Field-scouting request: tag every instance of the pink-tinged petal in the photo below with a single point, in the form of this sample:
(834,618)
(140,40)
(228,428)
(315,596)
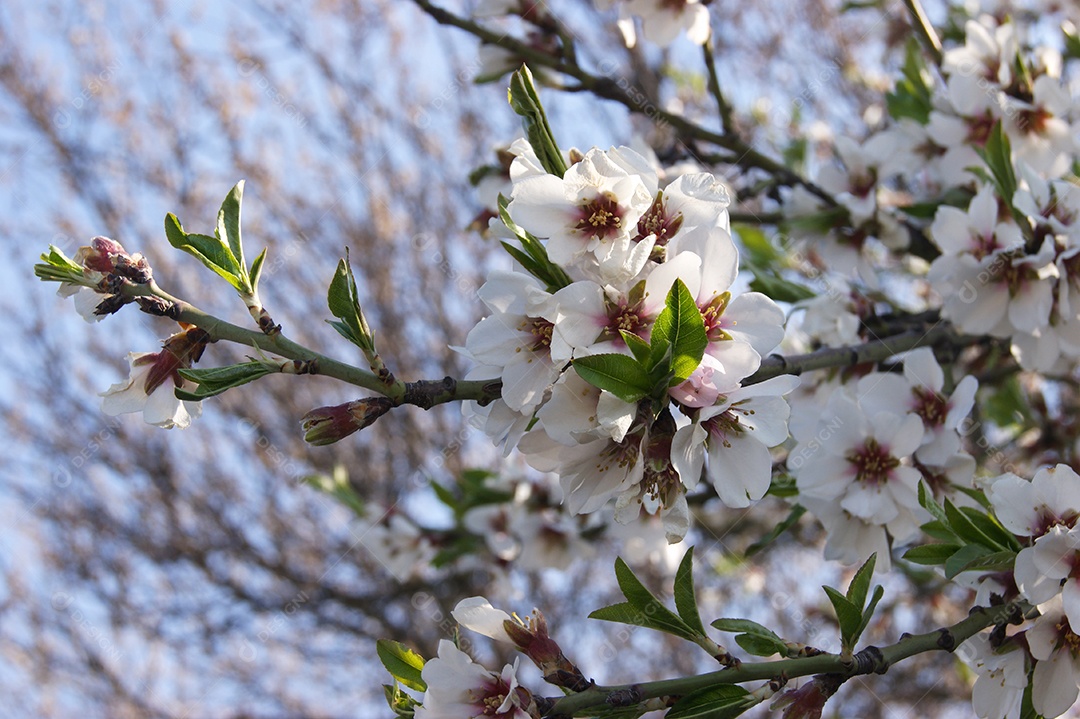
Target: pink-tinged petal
(1013,499)
(951,231)
(738,360)
(922,368)
(740,471)
(1058,490)
(884,392)
(163,409)
(752,317)
(526,379)
(768,423)
(1031,582)
(961,402)
(541,206)
(719,263)
(685,266)
(688,453)
(1055,552)
(700,389)
(477,614)
(869,503)
(1030,308)
(495,339)
(983,211)
(506,291)
(824,476)
(1054,685)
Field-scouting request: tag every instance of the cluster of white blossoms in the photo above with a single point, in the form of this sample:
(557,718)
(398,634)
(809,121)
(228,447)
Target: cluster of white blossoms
(1044,513)
(618,246)
(1008,265)
(858,465)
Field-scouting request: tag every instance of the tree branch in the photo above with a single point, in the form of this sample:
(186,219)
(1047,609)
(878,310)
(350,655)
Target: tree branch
(870,660)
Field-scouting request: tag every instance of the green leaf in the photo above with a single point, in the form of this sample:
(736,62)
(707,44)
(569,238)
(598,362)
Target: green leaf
(860,583)
(626,613)
(991,528)
(754,638)
(868,613)
(931,554)
(228,222)
(760,646)
(911,96)
(344,302)
(208,250)
(215,380)
(642,608)
(772,285)
(759,250)
(963,557)
(848,616)
(720,702)
(256,271)
(403,663)
(685,602)
(639,347)
(681,327)
(616,373)
(967,530)
(526,102)
(1007,407)
(796,512)
(532,255)
(927,502)
(337,485)
(994,562)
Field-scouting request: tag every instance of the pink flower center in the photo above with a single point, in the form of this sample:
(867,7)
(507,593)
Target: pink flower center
(656,221)
(541,331)
(872,463)
(601,217)
(930,405)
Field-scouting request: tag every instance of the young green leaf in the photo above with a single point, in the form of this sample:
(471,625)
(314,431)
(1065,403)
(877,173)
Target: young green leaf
(964,557)
(638,347)
(754,638)
(215,380)
(344,302)
(209,250)
(642,609)
(725,701)
(860,583)
(848,616)
(623,376)
(526,102)
(680,327)
(796,512)
(228,223)
(931,554)
(403,663)
(685,602)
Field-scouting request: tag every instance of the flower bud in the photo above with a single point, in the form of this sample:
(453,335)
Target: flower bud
(327,425)
(100,255)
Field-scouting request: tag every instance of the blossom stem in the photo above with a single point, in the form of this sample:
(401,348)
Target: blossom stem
(870,660)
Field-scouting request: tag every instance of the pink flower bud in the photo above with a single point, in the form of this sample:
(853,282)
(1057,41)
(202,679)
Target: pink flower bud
(326,425)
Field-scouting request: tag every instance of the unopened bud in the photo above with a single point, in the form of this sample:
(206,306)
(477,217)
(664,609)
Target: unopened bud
(327,425)
(100,255)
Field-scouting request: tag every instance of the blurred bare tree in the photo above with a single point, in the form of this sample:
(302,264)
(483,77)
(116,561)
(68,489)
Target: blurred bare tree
(192,573)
